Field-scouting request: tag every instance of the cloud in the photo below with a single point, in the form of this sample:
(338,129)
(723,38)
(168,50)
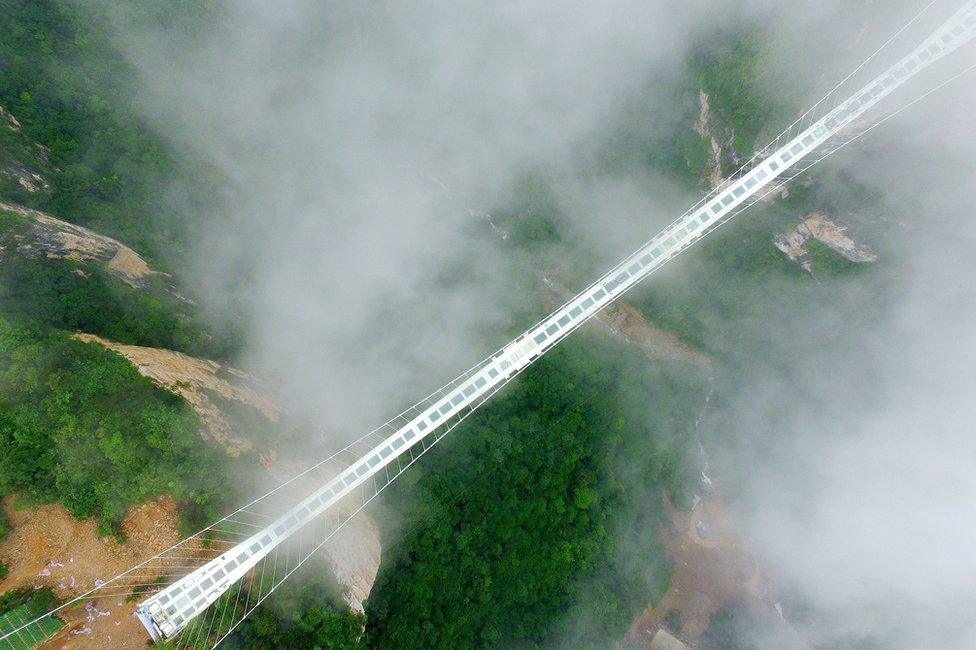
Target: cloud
(862,498)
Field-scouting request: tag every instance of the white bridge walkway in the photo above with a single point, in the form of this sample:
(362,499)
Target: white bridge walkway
(170,610)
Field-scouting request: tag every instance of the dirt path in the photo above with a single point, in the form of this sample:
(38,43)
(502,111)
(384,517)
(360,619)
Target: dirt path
(49,548)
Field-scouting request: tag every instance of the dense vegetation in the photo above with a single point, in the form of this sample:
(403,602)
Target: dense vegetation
(305,612)
(80,425)
(543,508)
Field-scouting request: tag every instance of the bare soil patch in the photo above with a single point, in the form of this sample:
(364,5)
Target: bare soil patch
(49,548)
(713,570)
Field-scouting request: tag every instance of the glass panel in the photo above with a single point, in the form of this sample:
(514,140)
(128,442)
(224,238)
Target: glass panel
(797,148)
(480,381)
(774,165)
(457,399)
(361,470)
(576,311)
(739,191)
(751,183)
(620,278)
(762,175)
(552,329)
(634,268)
(786,156)
(469,391)
(409,435)
(727,200)
(599,293)
(808,140)
(445,409)
(716,208)
(587,303)
(564,321)
(386,451)
(396,444)
(373,462)
(492,373)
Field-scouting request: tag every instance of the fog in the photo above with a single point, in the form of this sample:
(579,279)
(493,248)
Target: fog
(864,504)
(363,145)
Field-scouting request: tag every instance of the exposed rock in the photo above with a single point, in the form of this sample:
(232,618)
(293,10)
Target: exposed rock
(191,378)
(818,226)
(703,128)
(50,237)
(354,553)
(9,119)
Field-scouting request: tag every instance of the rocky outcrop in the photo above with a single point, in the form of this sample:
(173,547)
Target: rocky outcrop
(194,380)
(24,162)
(819,226)
(703,128)
(47,236)
(354,553)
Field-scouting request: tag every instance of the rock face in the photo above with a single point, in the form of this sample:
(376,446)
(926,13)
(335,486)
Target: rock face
(47,236)
(191,378)
(354,553)
(818,226)
(703,128)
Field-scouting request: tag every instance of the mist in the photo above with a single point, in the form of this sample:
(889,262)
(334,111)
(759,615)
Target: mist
(364,145)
